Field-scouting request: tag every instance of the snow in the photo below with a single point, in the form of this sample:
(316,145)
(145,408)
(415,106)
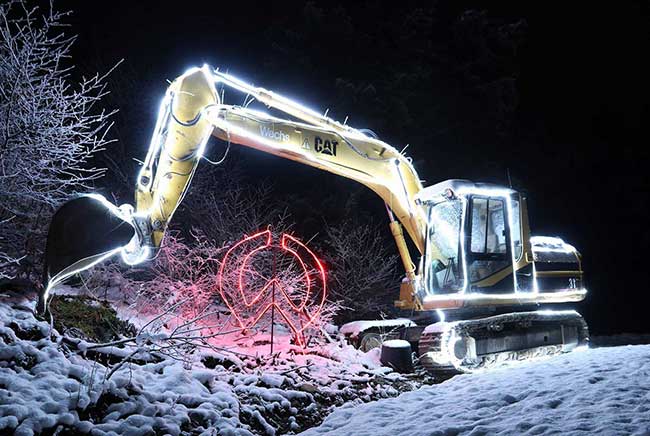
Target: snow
(49,384)
(619,339)
(438,327)
(355,327)
(550,244)
(596,391)
(396,343)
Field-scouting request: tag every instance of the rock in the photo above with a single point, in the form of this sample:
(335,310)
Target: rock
(308,387)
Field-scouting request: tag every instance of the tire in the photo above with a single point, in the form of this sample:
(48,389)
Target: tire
(370,341)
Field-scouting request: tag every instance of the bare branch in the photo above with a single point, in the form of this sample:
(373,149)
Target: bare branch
(362,270)
(51,125)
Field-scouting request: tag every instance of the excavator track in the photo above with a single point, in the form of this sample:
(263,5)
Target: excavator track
(471,345)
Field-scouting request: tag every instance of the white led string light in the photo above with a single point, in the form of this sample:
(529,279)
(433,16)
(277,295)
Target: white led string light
(521,296)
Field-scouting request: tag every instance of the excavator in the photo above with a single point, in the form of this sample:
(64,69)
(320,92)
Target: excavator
(483,291)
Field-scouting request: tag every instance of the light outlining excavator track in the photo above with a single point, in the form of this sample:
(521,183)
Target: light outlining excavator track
(472,345)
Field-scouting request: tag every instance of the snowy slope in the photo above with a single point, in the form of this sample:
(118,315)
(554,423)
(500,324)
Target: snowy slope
(597,391)
(50,386)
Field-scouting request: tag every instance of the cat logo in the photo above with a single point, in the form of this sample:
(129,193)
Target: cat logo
(325,147)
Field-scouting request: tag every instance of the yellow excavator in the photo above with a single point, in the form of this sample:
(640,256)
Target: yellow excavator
(483,290)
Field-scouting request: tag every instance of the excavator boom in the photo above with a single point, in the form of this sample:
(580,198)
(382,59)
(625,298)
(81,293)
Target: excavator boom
(192,111)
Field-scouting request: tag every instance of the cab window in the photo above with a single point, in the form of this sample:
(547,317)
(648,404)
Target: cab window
(444,274)
(488,226)
(488,245)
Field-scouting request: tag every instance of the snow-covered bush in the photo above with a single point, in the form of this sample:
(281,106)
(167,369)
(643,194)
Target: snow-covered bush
(362,269)
(181,273)
(52,125)
(224,205)
(179,303)
(6,261)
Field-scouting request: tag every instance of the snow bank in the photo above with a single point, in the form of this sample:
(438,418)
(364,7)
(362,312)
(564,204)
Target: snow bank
(355,327)
(50,384)
(619,339)
(597,391)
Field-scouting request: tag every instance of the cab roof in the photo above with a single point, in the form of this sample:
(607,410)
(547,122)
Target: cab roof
(459,187)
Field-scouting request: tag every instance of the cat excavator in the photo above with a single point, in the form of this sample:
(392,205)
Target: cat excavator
(482,291)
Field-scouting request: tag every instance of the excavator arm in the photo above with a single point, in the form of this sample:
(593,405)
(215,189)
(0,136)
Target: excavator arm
(192,111)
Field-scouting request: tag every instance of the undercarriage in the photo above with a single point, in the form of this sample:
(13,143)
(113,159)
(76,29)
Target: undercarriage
(471,344)
(467,346)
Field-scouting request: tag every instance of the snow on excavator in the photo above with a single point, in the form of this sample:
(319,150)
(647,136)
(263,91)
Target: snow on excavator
(483,290)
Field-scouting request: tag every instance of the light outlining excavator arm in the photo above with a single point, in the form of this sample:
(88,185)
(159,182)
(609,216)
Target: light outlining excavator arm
(192,111)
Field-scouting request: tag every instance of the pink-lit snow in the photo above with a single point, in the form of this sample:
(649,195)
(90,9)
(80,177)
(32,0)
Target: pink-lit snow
(48,385)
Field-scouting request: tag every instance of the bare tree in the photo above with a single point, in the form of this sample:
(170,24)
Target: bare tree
(6,261)
(362,269)
(224,206)
(51,125)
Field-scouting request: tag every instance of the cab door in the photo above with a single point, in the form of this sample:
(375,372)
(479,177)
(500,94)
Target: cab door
(488,244)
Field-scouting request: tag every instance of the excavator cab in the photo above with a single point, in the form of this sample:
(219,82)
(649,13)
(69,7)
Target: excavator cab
(479,252)
(477,234)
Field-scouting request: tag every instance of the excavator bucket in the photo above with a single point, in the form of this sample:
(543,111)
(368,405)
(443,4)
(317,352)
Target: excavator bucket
(83,232)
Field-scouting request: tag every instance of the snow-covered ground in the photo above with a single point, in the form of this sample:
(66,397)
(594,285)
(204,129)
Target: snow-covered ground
(52,384)
(619,339)
(597,391)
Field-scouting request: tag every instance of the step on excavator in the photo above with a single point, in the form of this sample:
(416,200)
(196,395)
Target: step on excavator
(483,291)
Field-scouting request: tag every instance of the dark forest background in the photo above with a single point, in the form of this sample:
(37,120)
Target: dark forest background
(552,95)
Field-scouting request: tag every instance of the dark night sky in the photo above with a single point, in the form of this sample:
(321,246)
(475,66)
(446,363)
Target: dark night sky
(577,144)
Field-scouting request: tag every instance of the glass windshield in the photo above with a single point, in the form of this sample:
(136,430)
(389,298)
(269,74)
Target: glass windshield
(444,273)
(488,226)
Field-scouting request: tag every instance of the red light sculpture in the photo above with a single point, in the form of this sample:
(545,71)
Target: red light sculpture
(296,290)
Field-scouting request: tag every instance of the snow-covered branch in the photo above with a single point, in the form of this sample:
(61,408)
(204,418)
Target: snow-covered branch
(362,269)
(6,261)
(51,124)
